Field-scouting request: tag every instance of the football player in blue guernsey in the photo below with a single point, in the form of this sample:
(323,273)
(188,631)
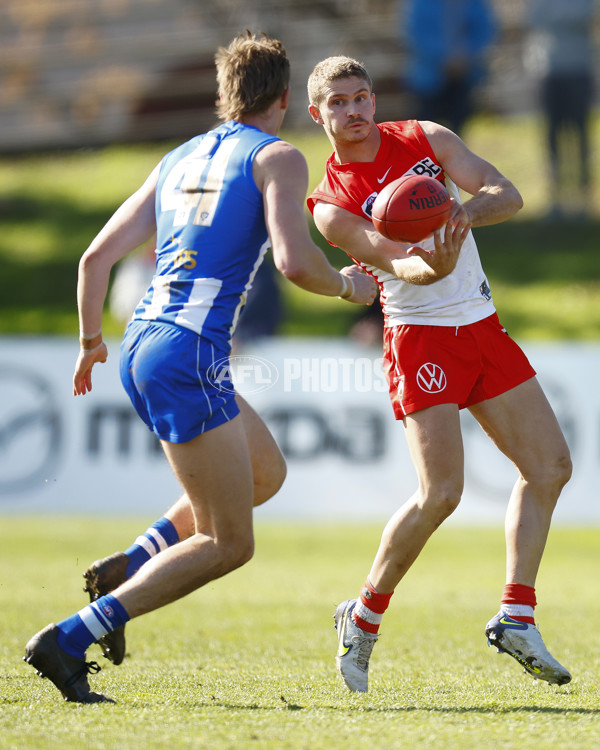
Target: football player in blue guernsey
(216,203)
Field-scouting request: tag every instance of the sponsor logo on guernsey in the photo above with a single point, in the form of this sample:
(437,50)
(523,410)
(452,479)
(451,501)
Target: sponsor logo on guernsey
(431,378)
(485,291)
(424,167)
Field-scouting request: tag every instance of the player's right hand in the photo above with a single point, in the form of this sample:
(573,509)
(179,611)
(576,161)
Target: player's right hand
(82,378)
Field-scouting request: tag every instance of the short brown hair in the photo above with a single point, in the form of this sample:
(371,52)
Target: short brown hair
(252,73)
(331,69)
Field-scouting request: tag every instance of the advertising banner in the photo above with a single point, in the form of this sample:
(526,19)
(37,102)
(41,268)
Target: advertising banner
(326,402)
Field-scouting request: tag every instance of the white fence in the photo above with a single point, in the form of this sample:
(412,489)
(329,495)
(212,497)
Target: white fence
(326,403)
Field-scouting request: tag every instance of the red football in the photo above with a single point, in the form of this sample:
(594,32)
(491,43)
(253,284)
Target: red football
(411,208)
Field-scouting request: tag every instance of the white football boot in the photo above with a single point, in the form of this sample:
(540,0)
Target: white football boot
(354,649)
(523,642)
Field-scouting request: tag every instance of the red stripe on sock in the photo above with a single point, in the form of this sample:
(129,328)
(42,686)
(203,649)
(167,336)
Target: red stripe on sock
(373,600)
(370,627)
(517,593)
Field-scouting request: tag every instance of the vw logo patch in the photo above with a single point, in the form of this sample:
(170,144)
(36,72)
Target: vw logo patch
(431,378)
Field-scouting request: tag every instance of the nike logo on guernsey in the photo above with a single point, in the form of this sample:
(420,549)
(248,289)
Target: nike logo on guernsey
(343,649)
(514,624)
(384,176)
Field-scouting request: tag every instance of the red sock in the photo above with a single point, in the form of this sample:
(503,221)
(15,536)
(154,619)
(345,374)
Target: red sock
(369,609)
(518,601)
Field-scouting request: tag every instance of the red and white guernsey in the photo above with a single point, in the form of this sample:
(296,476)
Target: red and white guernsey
(461,298)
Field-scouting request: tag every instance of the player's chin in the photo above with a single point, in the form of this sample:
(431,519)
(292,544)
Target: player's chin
(357,131)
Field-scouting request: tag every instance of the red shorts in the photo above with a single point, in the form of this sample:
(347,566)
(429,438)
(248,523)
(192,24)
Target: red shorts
(464,365)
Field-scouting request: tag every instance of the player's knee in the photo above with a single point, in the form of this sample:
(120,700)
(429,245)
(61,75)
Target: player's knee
(442,501)
(446,506)
(237,551)
(558,471)
(553,473)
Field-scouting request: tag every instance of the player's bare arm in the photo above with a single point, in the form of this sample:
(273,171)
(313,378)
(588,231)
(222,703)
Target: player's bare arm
(281,173)
(495,198)
(131,225)
(359,238)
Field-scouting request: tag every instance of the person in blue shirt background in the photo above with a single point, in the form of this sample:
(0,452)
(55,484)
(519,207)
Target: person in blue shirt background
(446,43)
(561,52)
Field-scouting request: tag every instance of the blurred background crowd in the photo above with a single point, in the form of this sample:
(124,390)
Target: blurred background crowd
(89,72)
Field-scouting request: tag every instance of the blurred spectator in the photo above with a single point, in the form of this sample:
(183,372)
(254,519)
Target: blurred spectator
(561,52)
(446,43)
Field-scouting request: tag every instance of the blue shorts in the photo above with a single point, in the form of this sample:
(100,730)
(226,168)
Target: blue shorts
(178,382)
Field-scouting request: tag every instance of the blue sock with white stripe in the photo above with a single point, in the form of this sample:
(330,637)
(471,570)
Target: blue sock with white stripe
(78,632)
(158,537)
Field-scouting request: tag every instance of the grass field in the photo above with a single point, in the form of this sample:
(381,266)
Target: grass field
(545,277)
(247,662)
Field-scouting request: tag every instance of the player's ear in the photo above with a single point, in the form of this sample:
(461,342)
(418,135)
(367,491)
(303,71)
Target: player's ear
(285,99)
(315,114)
(373,102)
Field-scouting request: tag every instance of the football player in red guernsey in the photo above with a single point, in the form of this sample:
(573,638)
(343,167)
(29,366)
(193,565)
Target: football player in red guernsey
(444,350)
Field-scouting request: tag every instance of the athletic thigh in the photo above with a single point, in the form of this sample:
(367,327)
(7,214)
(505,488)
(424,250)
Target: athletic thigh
(435,444)
(523,425)
(215,471)
(268,470)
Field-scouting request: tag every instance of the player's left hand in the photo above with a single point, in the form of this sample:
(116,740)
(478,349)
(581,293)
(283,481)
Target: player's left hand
(82,378)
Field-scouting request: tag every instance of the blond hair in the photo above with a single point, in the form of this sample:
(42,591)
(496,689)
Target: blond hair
(332,69)
(252,73)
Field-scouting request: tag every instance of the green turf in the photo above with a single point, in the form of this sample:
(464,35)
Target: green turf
(545,278)
(247,662)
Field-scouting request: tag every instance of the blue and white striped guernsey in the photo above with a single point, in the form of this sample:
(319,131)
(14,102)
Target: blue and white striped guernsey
(211,232)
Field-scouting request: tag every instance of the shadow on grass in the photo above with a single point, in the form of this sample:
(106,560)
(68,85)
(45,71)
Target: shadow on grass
(458,710)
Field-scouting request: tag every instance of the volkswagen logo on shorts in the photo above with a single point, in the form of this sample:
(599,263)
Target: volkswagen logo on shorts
(30,429)
(243,374)
(431,378)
